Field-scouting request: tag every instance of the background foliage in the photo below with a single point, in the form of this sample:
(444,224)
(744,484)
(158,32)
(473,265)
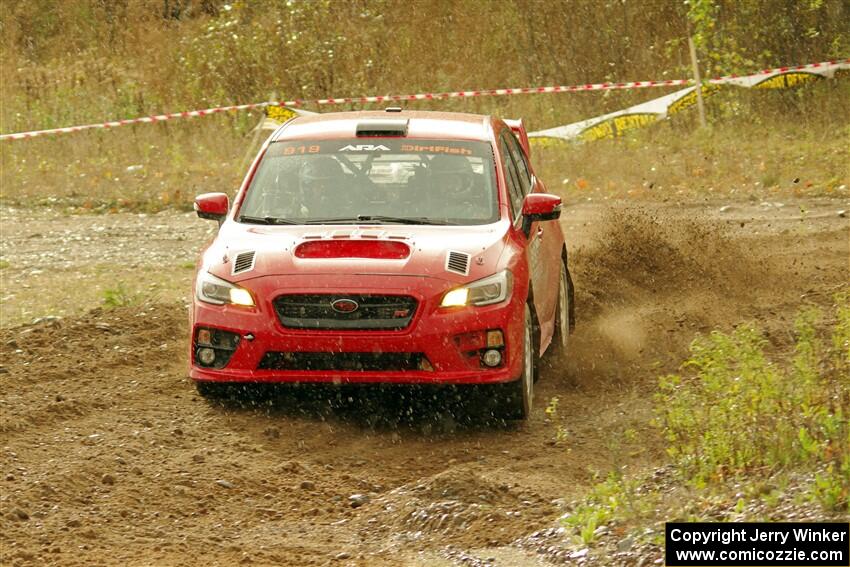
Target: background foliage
(69,62)
(81,61)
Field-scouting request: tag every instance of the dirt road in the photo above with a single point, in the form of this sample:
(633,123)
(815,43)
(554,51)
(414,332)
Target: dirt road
(108,456)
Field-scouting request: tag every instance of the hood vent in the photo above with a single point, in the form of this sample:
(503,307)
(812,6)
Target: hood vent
(382,127)
(353,248)
(244,262)
(457,262)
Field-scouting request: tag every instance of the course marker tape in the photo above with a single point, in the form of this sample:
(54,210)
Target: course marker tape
(296,103)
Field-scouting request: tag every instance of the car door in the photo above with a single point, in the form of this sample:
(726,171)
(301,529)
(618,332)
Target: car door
(516,195)
(546,242)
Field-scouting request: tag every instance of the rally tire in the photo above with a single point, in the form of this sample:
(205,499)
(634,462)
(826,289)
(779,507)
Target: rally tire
(516,398)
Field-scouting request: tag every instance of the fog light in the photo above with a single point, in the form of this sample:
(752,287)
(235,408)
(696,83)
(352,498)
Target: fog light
(495,339)
(206,356)
(425,364)
(204,337)
(492,358)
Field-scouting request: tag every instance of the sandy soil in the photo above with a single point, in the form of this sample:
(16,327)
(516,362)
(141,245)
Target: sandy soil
(108,456)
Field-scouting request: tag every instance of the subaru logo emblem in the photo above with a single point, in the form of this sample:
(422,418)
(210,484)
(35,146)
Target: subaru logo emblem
(344,306)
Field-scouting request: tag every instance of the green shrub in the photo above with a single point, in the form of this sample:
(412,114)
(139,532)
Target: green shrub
(119,296)
(737,412)
(604,501)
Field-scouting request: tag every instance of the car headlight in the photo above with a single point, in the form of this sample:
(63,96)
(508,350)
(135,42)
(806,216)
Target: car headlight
(493,289)
(215,290)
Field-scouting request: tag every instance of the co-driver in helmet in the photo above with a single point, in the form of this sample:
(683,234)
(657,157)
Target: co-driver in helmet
(452,186)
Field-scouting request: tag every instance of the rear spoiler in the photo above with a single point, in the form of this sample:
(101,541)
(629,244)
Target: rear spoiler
(518,128)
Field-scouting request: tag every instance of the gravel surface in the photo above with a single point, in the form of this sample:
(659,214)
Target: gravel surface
(108,456)
(44,239)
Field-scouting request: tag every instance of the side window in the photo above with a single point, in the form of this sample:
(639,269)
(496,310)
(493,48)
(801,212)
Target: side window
(521,164)
(511,178)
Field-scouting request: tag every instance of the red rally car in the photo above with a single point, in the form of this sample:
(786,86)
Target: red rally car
(404,247)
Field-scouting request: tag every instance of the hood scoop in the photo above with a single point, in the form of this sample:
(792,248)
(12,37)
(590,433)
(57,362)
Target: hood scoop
(457,262)
(344,248)
(244,262)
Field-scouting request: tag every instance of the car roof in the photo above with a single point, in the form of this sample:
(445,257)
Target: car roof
(421,124)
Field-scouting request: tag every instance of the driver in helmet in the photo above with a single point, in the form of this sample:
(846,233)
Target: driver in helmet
(322,187)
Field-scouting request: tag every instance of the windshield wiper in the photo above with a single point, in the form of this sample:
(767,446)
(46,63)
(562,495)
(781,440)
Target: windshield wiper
(379,219)
(264,220)
(405,220)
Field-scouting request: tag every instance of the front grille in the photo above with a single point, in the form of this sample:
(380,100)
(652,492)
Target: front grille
(315,311)
(352,361)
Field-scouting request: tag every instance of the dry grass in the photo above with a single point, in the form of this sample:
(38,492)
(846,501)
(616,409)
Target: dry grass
(146,167)
(790,145)
(77,62)
(767,148)
(102,285)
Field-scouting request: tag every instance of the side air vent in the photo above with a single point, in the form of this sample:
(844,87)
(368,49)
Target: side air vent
(244,262)
(457,262)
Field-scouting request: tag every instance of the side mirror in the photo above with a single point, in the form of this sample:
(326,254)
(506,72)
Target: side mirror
(539,207)
(212,206)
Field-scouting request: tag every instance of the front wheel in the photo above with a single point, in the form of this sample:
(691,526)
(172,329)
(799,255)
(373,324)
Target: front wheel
(515,398)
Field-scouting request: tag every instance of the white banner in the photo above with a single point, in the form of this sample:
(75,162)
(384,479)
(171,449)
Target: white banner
(617,123)
(786,77)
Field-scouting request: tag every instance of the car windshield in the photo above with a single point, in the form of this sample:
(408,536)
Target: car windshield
(374,180)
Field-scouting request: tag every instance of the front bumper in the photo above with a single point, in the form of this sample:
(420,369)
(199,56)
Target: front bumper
(440,335)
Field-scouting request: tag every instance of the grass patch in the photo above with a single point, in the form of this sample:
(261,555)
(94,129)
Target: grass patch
(763,151)
(741,413)
(615,497)
(743,426)
(103,172)
(93,285)
(120,296)
(561,434)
